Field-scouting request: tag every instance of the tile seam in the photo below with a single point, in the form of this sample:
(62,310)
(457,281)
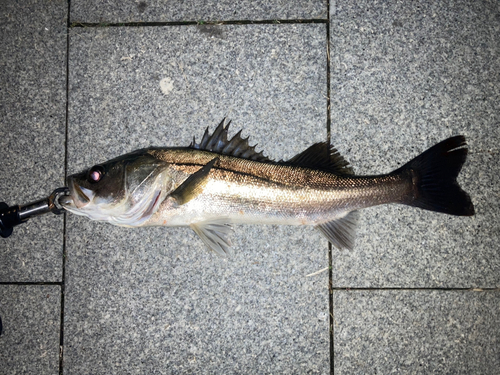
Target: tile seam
(64,250)
(330,248)
(194,23)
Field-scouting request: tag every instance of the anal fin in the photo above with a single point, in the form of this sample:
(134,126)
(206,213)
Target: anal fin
(216,236)
(341,232)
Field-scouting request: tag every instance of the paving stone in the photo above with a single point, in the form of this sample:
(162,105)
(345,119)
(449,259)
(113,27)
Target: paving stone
(32,128)
(95,11)
(416,331)
(404,77)
(154,298)
(29,342)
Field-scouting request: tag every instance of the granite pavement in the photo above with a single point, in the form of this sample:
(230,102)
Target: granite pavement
(85,81)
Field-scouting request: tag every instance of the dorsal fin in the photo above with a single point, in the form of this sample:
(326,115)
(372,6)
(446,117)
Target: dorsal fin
(323,157)
(237,146)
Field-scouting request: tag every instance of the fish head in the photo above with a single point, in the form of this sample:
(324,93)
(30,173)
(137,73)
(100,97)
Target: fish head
(124,191)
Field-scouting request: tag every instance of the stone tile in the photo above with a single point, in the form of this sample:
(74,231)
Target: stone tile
(405,76)
(95,11)
(32,124)
(154,298)
(29,343)
(152,87)
(416,331)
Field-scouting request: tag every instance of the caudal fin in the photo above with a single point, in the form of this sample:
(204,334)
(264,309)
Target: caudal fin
(434,174)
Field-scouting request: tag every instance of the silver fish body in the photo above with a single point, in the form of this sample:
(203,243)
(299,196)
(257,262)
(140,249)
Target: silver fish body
(215,183)
(247,191)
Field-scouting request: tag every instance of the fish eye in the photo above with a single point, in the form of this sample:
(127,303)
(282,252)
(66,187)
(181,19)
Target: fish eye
(95,174)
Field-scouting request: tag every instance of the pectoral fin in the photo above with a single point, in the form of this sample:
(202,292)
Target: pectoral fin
(340,232)
(215,236)
(193,185)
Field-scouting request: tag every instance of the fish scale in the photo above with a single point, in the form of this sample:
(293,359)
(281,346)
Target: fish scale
(220,181)
(269,192)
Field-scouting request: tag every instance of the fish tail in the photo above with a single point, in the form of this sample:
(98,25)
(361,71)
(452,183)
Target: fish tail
(434,176)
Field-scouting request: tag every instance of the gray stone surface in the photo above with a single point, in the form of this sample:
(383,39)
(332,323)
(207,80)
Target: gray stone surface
(114,11)
(154,299)
(139,87)
(405,76)
(416,332)
(32,127)
(29,343)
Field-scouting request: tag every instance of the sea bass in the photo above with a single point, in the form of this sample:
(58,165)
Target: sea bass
(219,181)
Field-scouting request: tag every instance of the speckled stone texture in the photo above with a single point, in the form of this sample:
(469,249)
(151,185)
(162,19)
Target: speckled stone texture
(115,11)
(29,343)
(160,86)
(32,127)
(154,298)
(403,77)
(416,332)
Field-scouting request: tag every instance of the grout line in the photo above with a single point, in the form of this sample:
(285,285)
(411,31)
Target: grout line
(67,100)
(473,289)
(331,288)
(330,308)
(330,247)
(61,327)
(63,276)
(30,283)
(193,23)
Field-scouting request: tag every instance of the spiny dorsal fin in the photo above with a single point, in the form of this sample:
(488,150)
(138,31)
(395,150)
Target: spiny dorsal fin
(219,143)
(323,157)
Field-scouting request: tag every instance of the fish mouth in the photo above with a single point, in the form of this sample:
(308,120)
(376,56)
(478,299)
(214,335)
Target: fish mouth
(66,200)
(79,196)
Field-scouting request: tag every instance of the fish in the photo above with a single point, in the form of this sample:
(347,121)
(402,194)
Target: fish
(217,182)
